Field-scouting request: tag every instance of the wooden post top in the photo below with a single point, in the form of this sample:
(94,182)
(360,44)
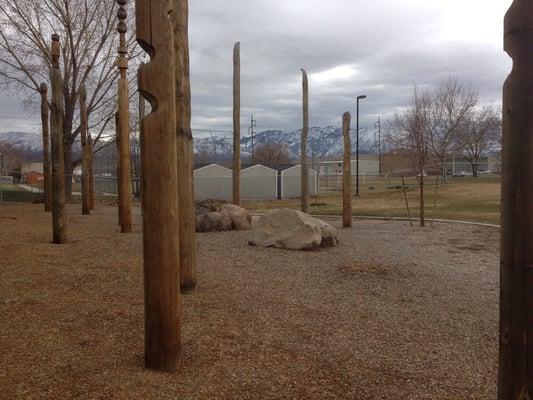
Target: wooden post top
(43,89)
(122,28)
(518,25)
(55,51)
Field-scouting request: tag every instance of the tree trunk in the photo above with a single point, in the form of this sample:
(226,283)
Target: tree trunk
(422,206)
(91,171)
(47,173)
(516,255)
(347,173)
(237,124)
(85,185)
(475,170)
(160,196)
(59,219)
(303,155)
(185,149)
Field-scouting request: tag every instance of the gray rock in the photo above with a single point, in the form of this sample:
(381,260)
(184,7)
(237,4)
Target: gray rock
(241,219)
(213,221)
(292,229)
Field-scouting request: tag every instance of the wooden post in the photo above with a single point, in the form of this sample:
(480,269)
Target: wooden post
(124,183)
(347,172)
(91,171)
(160,188)
(85,184)
(185,149)
(303,155)
(516,255)
(237,124)
(45,120)
(142,114)
(435,200)
(59,218)
(422,206)
(119,175)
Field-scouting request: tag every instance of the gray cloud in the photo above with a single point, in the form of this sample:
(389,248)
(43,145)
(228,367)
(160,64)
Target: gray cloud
(389,45)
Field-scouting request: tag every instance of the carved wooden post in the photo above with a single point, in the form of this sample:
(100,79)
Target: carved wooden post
(160,188)
(142,114)
(45,120)
(516,267)
(303,156)
(59,219)
(237,124)
(124,183)
(119,174)
(347,172)
(91,171)
(185,149)
(85,184)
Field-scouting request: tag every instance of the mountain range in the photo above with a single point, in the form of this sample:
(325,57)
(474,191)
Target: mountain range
(322,142)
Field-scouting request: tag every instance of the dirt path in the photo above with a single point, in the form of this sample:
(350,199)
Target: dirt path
(392,313)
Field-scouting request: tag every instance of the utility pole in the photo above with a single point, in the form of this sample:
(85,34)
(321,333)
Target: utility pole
(378,127)
(357,145)
(253,124)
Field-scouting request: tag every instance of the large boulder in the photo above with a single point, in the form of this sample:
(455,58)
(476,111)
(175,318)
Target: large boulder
(212,221)
(291,229)
(241,219)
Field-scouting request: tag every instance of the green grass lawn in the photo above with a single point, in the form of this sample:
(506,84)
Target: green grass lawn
(477,201)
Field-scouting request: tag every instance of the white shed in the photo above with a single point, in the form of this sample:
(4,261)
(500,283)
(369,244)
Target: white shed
(213,182)
(259,183)
(291,182)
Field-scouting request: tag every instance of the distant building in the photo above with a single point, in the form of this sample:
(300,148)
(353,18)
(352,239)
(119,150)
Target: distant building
(26,168)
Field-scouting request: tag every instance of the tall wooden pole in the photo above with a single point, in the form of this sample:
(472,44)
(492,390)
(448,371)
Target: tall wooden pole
(516,266)
(124,183)
(347,172)
(45,121)
(119,164)
(237,124)
(185,149)
(85,183)
(59,218)
(142,114)
(160,188)
(91,170)
(305,133)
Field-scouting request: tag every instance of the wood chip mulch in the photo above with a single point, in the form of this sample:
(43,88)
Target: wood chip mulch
(392,313)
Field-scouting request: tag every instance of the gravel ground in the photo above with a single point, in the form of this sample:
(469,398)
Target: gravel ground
(392,313)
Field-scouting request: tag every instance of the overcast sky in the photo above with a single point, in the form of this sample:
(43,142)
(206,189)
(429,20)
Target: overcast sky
(380,48)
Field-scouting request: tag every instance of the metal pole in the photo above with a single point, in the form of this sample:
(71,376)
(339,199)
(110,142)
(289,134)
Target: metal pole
(357,146)
(357,151)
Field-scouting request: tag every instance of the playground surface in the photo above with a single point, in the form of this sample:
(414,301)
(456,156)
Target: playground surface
(393,312)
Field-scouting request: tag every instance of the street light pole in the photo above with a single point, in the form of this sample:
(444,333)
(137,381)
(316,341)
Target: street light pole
(357,146)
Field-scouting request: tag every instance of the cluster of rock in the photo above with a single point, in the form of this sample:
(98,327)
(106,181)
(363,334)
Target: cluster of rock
(285,228)
(291,229)
(216,216)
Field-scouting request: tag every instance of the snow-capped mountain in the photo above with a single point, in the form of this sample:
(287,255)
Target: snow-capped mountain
(23,140)
(322,142)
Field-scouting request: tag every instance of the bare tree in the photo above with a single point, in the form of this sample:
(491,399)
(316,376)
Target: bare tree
(409,132)
(271,153)
(87,29)
(479,132)
(451,106)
